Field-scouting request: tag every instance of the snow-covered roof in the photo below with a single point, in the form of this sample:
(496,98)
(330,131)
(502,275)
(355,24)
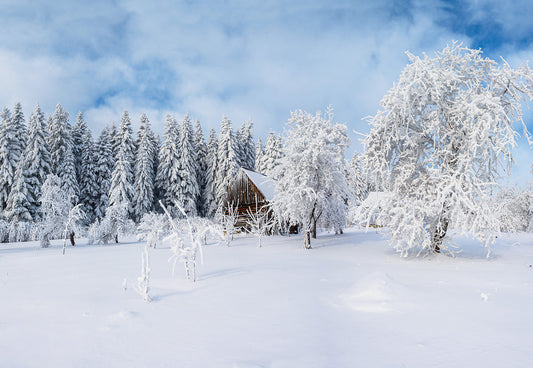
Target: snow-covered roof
(266,185)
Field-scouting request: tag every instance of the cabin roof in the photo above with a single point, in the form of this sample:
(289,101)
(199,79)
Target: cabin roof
(266,185)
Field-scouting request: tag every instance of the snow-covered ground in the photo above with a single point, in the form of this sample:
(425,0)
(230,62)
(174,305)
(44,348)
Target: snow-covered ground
(349,302)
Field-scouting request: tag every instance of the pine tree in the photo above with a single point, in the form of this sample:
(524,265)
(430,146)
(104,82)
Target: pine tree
(89,185)
(272,155)
(79,131)
(167,172)
(121,191)
(211,173)
(188,190)
(7,162)
(144,169)
(104,169)
(18,206)
(114,139)
(228,164)
(247,145)
(20,131)
(258,155)
(36,160)
(239,149)
(201,175)
(61,155)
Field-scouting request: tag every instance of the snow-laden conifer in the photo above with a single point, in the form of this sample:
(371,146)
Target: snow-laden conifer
(271,155)
(8,159)
(79,131)
(168,178)
(18,205)
(444,134)
(89,185)
(258,155)
(18,126)
(227,161)
(144,169)
(188,190)
(200,148)
(211,175)
(36,160)
(247,145)
(312,183)
(103,171)
(121,190)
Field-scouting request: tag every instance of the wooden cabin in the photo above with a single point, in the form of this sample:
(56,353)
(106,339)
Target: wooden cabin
(250,191)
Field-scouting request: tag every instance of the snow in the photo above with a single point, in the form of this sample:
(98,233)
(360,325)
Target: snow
(266,185)
(349,302)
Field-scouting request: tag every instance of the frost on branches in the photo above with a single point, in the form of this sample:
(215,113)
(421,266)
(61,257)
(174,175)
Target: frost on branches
(312,182)
(444,134)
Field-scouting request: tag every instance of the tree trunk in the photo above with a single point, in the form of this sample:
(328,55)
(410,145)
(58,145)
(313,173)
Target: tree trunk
(438,235)
(307,240)
(313,229)
(72,238)
(116,238)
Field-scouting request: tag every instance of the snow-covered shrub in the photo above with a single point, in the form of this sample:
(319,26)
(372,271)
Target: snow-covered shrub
(443,138)
(4,231)
(143,281)
(514,208)
(153,228)
(260,222)
(114,224)
(227,218)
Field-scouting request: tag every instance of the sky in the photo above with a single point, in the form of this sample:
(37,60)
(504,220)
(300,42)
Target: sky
(243,59)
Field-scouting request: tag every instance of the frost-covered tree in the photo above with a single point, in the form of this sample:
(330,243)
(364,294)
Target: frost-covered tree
(200,148)
(188,190)
(121,190)
(356,180)
(211,175)
(312,183)
(115,139)
(8,157)
(227,161)
(258,155)
(104,168)
(18,126)
(144,169)
(272,155)
(18,206)
(61,154)
(168,178)
(56,205)
(89,185)
(79,131)
(443,136)
(247,145)
(36,160)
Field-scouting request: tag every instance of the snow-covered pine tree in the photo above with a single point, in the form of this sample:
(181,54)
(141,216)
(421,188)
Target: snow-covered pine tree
(104,169)
(439,144)
(36,160)
(188,190)
(89,185)
(121,190)
(227,161)
(7,160)
(61,155)
(114,139)
(211,174)
(144,169)
(247,145)
(18,204)
(312,182)
(157,150)
(356,181)
(20,131)
(272,154)
(200,148)
(78,133)
(239,149)
(258,155)
(167,178)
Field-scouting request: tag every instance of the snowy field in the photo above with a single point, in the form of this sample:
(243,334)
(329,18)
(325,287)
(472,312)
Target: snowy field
(349,302)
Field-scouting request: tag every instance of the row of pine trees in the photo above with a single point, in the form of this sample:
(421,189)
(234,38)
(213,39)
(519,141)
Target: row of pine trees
(119,168)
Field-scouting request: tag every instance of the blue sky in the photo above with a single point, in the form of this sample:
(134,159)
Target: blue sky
(258,59)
